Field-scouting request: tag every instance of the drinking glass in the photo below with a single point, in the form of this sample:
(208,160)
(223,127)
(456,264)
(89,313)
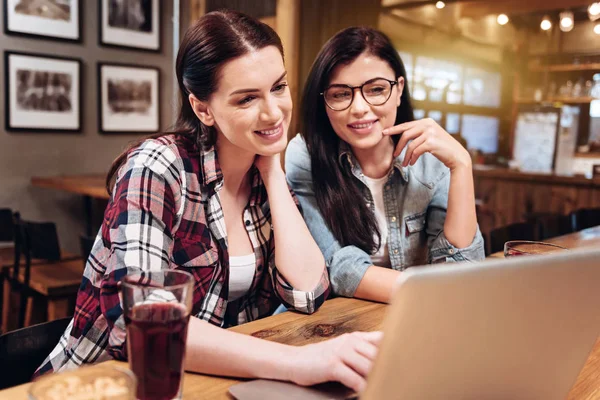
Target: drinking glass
(157,307)
(526,247)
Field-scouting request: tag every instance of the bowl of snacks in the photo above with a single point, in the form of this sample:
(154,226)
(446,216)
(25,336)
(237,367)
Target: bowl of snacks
(99,382)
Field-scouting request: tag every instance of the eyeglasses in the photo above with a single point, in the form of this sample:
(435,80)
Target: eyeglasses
(376,92)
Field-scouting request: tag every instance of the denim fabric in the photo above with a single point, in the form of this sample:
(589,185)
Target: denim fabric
(416,200)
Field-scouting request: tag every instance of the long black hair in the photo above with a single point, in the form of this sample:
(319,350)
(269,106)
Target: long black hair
(336,191)
(212,41)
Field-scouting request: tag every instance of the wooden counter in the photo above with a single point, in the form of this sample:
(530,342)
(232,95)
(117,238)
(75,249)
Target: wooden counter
(505,196)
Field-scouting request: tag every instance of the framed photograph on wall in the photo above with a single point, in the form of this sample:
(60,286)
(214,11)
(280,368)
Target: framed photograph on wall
(130,24)
(128,98)
(55,19)
(43,93)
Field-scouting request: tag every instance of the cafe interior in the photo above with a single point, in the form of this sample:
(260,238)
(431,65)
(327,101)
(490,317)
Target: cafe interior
(516,82)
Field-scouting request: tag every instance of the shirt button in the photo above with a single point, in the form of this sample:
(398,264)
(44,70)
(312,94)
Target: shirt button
(393,219)
(395,251)
(248,222)
(451,251)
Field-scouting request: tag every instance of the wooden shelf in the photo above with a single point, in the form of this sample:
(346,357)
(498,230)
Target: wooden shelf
(567,100)
(565,67)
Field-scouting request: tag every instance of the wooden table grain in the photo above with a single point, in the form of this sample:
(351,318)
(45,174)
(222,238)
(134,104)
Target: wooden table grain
(336,316)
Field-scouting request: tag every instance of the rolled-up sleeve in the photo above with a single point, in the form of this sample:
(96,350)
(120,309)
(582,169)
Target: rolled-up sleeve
(440,249)
(293,299)
(346,264)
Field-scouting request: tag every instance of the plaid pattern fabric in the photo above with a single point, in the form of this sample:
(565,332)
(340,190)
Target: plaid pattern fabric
(165,213)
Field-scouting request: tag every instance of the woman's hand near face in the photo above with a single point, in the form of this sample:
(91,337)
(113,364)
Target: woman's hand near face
(268,165)
(428,137)
(346,359)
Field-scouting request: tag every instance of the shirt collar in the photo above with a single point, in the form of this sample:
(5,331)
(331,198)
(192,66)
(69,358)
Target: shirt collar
(212,173)
(345,153)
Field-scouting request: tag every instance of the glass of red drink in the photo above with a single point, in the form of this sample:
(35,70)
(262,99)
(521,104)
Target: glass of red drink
(526,247)
(157,307)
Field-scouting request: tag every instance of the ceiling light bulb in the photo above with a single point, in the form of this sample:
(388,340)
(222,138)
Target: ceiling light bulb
(546,24)
(440,4)
(597,29)
(566,21)
(594,11)
(502,19)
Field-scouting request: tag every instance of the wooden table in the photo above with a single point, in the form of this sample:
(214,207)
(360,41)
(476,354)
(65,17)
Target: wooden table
(335,317)
(585,238)
(90,186)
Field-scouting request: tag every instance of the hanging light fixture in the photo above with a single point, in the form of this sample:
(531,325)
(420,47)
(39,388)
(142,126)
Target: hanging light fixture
(594,11)
(597,29)
(567,21)
(502,19)
(546,24)
(440,4)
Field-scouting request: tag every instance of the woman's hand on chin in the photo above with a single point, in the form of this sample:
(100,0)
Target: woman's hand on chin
(426,136)
(268,165)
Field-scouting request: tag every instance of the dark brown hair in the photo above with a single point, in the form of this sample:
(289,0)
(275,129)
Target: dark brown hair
(336,191)
(215,39)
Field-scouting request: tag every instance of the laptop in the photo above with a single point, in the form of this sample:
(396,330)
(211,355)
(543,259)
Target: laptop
(514,328)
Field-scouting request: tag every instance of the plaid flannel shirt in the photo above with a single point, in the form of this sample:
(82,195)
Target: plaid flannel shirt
(165,213)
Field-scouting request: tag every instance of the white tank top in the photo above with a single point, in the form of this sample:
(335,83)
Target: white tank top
(241,274)
(382,256)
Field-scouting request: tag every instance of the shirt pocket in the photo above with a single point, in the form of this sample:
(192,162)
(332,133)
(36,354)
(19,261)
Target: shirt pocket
(416,252)
(194,253)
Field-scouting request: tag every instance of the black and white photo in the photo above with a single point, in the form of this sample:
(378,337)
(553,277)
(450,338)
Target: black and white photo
(128,98)
(43,93)
(130,23)
(57,19)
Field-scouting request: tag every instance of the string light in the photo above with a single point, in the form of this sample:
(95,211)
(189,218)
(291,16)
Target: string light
(440,4)
(597,29)
(594,11)
(566,21)
(502,19)
(546,24)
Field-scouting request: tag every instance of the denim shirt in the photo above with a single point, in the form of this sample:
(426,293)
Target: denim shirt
(415,198)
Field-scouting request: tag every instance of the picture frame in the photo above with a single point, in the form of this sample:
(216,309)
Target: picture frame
(128,100)
(42,93)
(130,24)
(56,20)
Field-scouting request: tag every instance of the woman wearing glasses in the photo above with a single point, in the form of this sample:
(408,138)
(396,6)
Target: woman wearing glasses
(380,191)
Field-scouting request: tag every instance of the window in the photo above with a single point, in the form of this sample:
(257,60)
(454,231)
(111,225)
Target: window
(482,88)
(463,99)
(480,132)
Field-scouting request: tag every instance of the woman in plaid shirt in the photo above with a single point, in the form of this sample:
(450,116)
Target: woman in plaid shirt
(177,205)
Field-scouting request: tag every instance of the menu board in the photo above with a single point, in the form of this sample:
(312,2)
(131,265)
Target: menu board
(535,140)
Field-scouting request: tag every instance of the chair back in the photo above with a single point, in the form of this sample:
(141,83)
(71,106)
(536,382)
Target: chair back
(23,350)
(86,243)
(7,225)
(585,218)
(550,226)
(34,240)
(517,231)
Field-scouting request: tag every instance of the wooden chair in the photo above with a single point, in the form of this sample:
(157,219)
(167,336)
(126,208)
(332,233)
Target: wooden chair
(86,243)
(585,218)
(23,350)
(518,231)
(550,226)
(56,280)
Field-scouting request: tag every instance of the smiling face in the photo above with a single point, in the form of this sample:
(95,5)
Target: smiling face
(252,105)
(361,124)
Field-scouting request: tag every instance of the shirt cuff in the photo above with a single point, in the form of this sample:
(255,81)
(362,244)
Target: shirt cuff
(304,302)
(347,267)
(444,251)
